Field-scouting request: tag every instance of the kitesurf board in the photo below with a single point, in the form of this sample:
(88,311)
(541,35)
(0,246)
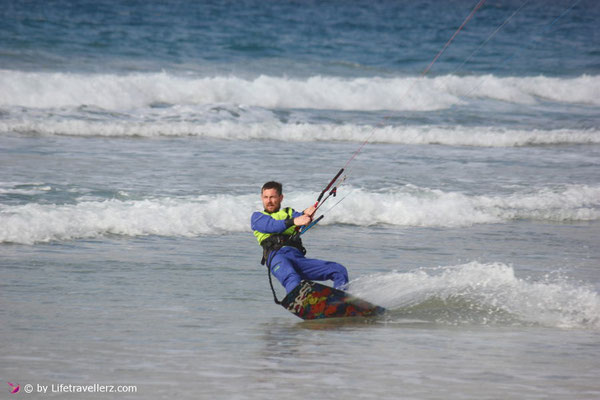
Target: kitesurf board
(312,300)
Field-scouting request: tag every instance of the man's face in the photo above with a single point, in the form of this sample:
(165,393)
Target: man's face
(271,200)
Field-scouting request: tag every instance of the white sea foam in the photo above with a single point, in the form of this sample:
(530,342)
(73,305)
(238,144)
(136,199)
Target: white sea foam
(481,293)
(523,90)
(235,108)
(413,206)
(274,130)
(123,92)
(25,189)
(32,223)
(187,217)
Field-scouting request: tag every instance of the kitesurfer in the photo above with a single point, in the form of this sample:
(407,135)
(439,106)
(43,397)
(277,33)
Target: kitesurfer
(275,230)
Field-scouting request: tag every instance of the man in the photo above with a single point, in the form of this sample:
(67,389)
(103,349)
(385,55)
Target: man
(282,250)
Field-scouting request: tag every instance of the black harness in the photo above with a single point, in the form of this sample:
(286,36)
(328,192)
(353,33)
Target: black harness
(276,242)
(271,246)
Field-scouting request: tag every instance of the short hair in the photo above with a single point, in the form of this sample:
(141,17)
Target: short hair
(273,185)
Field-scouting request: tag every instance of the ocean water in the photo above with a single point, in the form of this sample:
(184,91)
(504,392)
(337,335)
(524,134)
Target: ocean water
(135,137)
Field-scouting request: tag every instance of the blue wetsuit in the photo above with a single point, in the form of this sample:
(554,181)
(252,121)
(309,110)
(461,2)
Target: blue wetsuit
(289,265)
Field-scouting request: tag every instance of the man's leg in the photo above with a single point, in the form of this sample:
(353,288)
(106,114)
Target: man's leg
(320,270)
(283,269)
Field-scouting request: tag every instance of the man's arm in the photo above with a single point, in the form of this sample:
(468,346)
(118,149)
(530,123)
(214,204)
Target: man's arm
(266,224)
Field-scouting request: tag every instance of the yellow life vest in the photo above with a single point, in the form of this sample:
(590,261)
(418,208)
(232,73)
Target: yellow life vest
(279,215)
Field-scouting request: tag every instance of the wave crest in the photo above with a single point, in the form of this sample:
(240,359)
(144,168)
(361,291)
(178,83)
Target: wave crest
(124,92)
(476,293)
(407,206)
(305,132)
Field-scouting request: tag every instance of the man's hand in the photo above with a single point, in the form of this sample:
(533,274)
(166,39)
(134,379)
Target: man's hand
(302,220)
(310,211)
(306,218)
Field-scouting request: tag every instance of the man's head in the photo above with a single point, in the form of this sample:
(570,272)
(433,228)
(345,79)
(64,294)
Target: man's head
(272,196)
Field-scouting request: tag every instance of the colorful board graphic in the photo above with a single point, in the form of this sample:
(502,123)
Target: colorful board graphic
(312,300)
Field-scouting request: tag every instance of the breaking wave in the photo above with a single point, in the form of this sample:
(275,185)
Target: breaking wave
(306,132)
(129,91)
(477,293)
(192,216)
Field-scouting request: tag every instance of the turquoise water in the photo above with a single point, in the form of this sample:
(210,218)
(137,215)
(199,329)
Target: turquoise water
(134,139)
